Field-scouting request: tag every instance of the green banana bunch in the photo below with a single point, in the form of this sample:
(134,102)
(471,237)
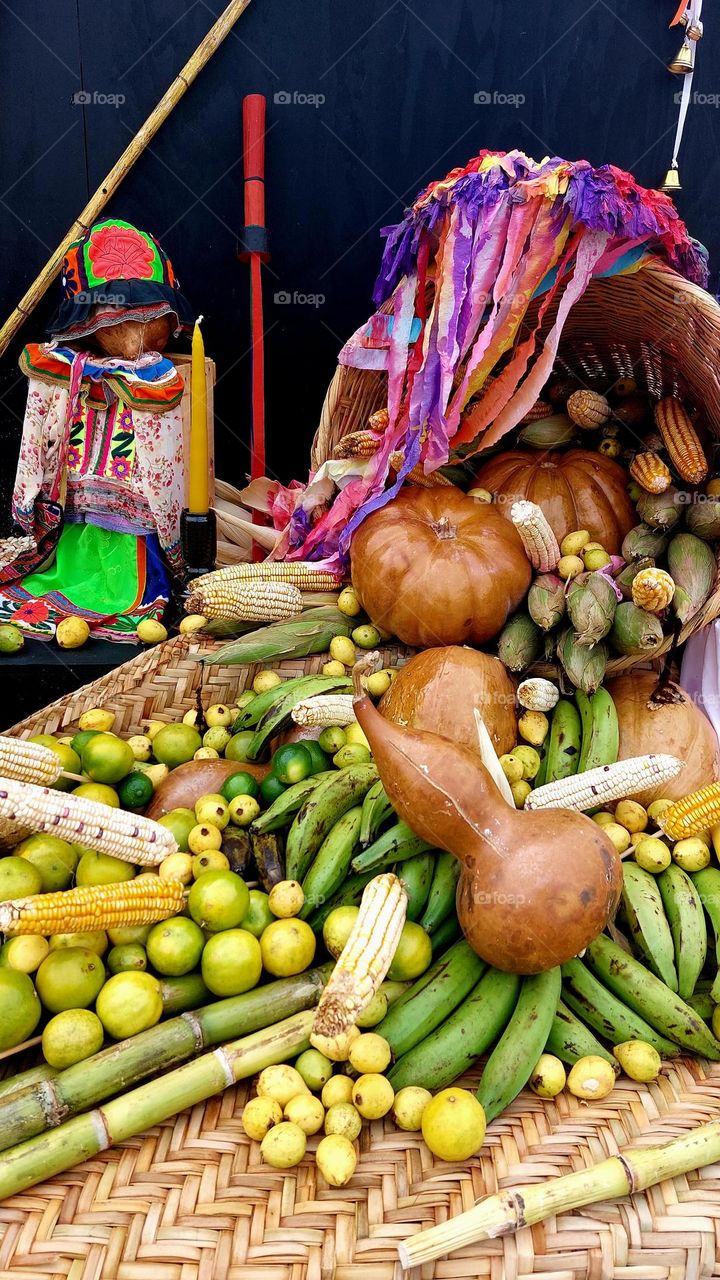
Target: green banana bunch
(564,742)
(445,934)
(394,845)
(683,907)
(376,809)
(282,811)
(416,874)
(707,883)
(300,687)
(279,712)
(314,822)
(349,895)
(600,729)
(571,1040)
(331,864)
(441,899)
(648,923)
(607,1014)
(435,994)
(514,1057)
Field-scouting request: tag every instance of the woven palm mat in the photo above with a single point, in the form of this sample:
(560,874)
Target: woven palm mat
(192,1200)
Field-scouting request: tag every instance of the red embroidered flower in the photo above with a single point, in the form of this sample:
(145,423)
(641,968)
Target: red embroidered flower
(120,467)
(121,253)
(73,458)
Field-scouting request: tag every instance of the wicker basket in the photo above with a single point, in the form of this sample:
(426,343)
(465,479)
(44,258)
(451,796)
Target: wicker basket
(192,1200)
(652,325)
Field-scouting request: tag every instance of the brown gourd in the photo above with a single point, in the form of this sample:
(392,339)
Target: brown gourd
(535,888)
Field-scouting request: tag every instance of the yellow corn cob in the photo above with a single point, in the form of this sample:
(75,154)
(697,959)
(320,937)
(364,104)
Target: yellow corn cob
(538,539)
(537,694)
(28,761)
(95,826)
(378,421)
(358,444)
(652,589)
(365,958)
(247,601)
(301,573)
(324,709)
(609,782)
(650,472)
(103,906)
(681,440)
(694,813)
(417,476)
(588,409)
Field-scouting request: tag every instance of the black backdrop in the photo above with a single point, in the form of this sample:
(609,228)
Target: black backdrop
(366,103)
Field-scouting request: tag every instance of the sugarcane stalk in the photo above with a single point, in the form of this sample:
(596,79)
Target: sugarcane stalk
(33,1075)
(132,1113)
(523,1206)
(47,1103)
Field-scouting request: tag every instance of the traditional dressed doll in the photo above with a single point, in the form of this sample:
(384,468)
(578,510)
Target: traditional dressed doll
(100,479)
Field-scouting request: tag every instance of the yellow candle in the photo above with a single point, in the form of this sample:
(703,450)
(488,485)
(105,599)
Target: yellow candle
(198,462)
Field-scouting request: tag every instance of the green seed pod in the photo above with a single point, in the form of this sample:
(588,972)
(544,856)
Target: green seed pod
(519,643)
(584,667)
(591,604)
(634,630)
(546,601)
(662,510)
(643,541)
(703,518)
(691,564)
(548,433)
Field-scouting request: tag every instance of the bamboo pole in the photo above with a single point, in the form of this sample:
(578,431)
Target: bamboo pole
(122,167)
(46,1103)
(620,1175)
(134,1112)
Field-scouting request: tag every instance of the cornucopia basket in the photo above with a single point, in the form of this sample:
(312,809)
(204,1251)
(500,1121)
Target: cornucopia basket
(651,324)
(191,1199)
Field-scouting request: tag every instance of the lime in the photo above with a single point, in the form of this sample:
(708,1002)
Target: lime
(176,744)
(320,761)
(270,788)
(332,739)
(100,792)
(129,1003)
(218,900)
(52,858)
(240,784)
(231,962)
(129,933)
(351,753)
(413,955)
(258,915)
(337,927)
(236,748)
(19,878)
(106,758)
(314,1068)
(95,940)
(102,868)
(131,956)
(292,763)
(81,738)
(11,638)
(288,947)
(68,757)
(181,823)
(71,1036)
(174,947)
(69,978)
(20,1008)
(135,791)
(24,953)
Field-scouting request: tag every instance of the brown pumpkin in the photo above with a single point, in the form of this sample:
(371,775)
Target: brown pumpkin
(440,690)
(434,567)
(576,490)
(649,724)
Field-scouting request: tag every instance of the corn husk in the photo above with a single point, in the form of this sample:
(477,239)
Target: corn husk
(703,518)
(520,643)
(295,638)
(548,433)
(591,604)
(643,541)
(634,630)
(546,601)
(662,510)
(691,563)
(625,578)
(584,667)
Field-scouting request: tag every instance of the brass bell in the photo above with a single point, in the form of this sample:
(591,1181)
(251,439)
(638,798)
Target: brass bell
(672,180)
(682,64)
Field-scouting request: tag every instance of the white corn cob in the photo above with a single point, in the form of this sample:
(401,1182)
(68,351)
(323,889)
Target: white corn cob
(537,694)
(301,573)
(538,539)
(95,826)
(599,786)
(324,709)
(28,761)
(365,958)
(247,601)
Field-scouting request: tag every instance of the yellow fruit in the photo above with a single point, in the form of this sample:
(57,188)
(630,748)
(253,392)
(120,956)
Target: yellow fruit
(305,1111)
(243,810)
(71,1036)
(570,567)
(210,860)
(631,815)
(206,753)
(283,1146)
(286,899)
(336,1048)
(190,717)
(288,947)
(128,1003)
(175,744)
(97,718)
(638,1059)
(337,928)
(25,953)
(314,1068)
(366,637)
(351,753)
(259,1115)
(174,946)
(512,767)
(378,683)
(72,633)
(212,811)
(337,1089)
(12,639)
(597,558)
(151,632)
(619,836)
(100,792)
(533,726)
(348,602)
(652,854)
(343,1118)
(370,1053)
(548,1077)
(343,650)
(281,1082)
(141,746)
(520,792)
(480,495)
(69,979)
(530,760)
(413,954)
(106,759)
(658,807)
(336,1159)
(333,668)
(355,736)
(453,1124)
(374,1012)
(217,738)
(691,854)
(265,680)
(409,1106)
(154,726)
(95,940)
(218,714)
(573,543)
(218,900)
(603,818)
(713,488)
(204,837)
(192,622)
(591,1077)
(102,868)
(373,1095)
